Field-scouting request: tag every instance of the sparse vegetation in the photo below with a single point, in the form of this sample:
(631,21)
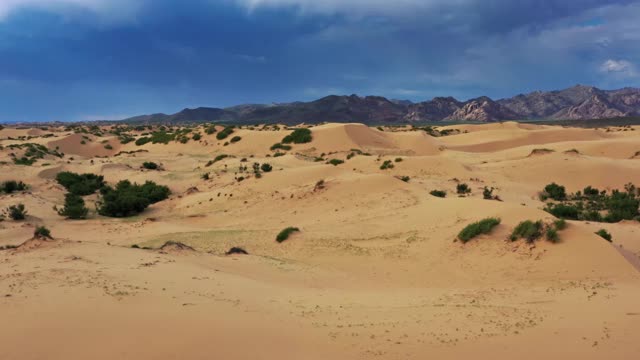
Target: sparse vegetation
(438,193)
(284,234)
(74,207)
(80,184)
(224,133)
(463,188)
(335,162)
(42,232)
(150,165)
(235,139)
(604,234)
(128,199)
(266,167)
(387,164)
(298,136)
(237,250)
(554,191)
(11,186)
(17,212)
(279,146)
(478,228)
(528,230)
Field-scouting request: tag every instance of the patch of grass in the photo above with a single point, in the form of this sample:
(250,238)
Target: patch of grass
(604,234)
(284,234)
(478,228)
(438,193)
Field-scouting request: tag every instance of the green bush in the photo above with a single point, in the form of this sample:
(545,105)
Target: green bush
(266,167)
(143,140)
(621,206)
(128,199)
(487,193)
(387,164)
(604,234)
(216,159)
(298,136)
(224,133)
(42,232)
(552,235)
(211,129)
(560,224)
(335,162)
(463,188)
(477,228)
(80,184)
(196,137)
(150,165)
(284,234)
(17,212)
(405,178)
(398,160)
(555,192)
(74,207)
(108,147)
(11,186)
(438,193)
(563,211)
(279,146)
(528,230)
(235,139)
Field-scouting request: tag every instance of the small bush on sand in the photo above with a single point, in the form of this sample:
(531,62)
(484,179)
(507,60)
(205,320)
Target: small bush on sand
(560,224)
(563,211)
(463,188)
(335,162)
(11,186)
(404,178)
(128,199)
(298,136)
(552,235)
(555,192)
(438,193)
(279,146)
(224,133)
(80,184)
(211,129)
(17,212)
(237,250)
(387,164)
(284,234)
(487,194)
(604,234)
(196,137)
(74,207)
(528,230)
(478,228)
(266,167)
(42,232)
(150,165)
(235,139)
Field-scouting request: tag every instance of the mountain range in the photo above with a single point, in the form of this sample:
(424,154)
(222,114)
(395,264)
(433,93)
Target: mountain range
(579,102)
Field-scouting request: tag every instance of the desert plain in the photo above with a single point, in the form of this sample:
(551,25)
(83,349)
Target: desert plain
(376,270)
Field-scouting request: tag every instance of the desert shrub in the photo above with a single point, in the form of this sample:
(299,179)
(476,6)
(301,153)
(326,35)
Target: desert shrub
(463,188)
(398,160)
(17,212)
(80,184)
(128,199)
(74,207)
(298,136)
(237,250)
(224,133)
(196,137)
(487,193)
(278,154)
(42,232)
(211,129)
(438,193)
(235,139)
(216,159)
(266,167)
(404,178)
(150,165)
(621,206)
(284,234)
(555,192)
(279,146)
(335,162)
(205,176)
(108,147)
(528,230)
(11,186)
(552,235)
(387,164)
(560,224)
(478,228)
(604,234)
(563,211)
(143,140)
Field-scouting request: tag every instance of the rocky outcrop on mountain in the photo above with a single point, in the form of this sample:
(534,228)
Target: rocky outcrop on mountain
(482,109)
(576,103)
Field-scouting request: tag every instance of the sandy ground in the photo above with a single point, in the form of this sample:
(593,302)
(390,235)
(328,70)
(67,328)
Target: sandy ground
(375,272)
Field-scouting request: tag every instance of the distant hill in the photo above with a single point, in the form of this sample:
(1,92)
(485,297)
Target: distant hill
(576,103)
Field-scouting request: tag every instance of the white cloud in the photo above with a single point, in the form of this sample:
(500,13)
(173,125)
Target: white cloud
(618,67)
(383,7)
(110,9)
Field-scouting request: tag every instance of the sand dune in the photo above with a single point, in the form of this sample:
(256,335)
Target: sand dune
(375,270)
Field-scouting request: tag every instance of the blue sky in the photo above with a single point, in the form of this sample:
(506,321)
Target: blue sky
(104,59)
